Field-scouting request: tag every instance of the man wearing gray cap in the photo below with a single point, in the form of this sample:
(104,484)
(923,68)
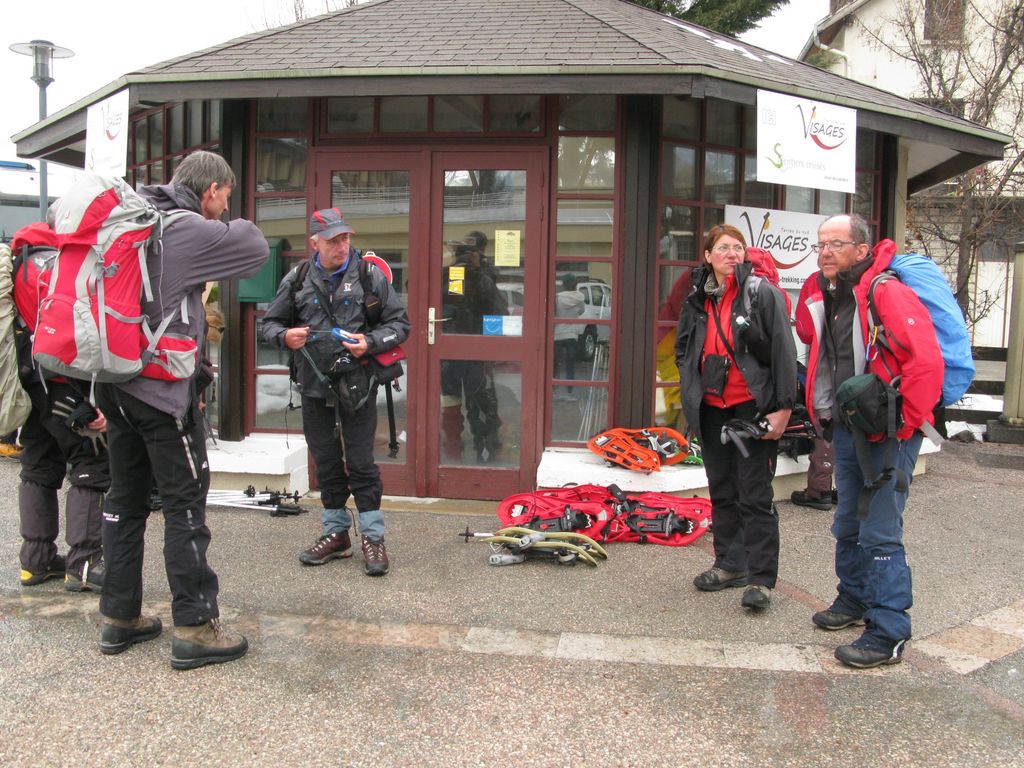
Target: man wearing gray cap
(332,311)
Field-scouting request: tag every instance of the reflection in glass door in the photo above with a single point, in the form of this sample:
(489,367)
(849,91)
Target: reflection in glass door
(484,222)
(484,309)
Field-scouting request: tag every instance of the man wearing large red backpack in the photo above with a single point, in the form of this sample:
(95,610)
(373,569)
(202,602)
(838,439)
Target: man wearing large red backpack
(156,431)
(874,578)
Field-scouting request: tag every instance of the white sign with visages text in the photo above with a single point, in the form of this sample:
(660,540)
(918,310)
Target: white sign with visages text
(786,235)
(805,143)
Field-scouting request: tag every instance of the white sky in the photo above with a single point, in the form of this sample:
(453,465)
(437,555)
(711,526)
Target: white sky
(119,36)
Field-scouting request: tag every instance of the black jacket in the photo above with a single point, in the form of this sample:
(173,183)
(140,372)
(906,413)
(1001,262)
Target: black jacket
(298,305)
(764,346)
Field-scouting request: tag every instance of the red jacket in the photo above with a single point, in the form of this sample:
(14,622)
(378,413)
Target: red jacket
(915,350)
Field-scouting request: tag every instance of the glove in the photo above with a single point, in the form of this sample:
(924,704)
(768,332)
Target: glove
(76,414)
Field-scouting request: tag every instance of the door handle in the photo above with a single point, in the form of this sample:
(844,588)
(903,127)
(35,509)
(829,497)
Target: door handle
(431,319)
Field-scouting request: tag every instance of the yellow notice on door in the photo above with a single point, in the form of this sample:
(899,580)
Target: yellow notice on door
(506,248)
(455,287)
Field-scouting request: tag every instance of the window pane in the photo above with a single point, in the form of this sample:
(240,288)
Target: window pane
(282,115)
(586,164)
(458,114)
(864,199)
(586,113)
(481,402)
(679,236)
(679,172)
(156,135)
(830,203)
(719,177)
(749,128)
(156,173)
(283,217)
(673,288)
(141,140)
(866,141)
(712,217)
(213,120)
(585,228)
(272,403)
(515,113)
(403,114)
(681,117)
(376,204)
(724,121)
(350,115)
(800,199)
(281,165)
(578,413)
(583,296)
(194,111)
(176,128)
(755,192)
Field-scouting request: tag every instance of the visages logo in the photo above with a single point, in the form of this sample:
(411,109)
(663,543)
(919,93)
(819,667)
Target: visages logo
(827,135)
(777,241)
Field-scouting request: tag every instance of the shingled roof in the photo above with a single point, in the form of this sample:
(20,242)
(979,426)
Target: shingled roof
(406,47)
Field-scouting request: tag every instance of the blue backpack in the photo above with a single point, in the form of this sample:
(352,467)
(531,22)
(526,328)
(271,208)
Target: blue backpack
(920,274)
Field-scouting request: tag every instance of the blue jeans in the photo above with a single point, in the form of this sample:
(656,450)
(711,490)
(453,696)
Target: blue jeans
(874,578)
(371,522)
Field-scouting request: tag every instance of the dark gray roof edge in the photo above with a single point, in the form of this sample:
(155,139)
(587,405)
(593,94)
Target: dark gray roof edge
(937,118)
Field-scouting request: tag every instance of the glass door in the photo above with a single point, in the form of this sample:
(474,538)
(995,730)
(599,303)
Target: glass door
(484,322)
(383,197)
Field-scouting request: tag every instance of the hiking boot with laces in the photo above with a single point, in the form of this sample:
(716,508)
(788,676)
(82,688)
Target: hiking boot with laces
(54,570)
(208,643)
(375,556)
(715,579)
(326,548)
(118,635)
(756,597)
(89,580)
(869,657)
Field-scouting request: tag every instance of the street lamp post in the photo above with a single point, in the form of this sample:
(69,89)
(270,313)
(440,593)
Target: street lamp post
(43,52)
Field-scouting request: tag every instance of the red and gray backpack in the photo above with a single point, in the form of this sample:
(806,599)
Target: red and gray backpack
(90,324)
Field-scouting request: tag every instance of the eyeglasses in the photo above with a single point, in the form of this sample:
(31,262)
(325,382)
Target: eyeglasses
(831,245)
(727,248)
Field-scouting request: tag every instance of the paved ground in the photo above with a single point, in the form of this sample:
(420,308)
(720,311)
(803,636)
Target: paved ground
(448,661)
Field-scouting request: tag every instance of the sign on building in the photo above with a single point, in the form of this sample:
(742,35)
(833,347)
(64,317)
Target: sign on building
(106,136)
(805,143)
(788,236)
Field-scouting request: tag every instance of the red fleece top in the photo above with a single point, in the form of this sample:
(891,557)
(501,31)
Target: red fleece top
(736,390)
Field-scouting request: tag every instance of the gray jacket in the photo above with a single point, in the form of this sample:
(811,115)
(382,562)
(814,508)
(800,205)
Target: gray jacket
(195,251)
(298,306)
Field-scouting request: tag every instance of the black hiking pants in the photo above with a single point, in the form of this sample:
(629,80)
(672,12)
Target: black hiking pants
(744,522)
(146,445)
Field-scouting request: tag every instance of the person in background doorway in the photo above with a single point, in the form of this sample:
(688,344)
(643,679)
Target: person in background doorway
(568,303)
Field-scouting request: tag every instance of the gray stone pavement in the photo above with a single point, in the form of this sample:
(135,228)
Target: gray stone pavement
(448,661)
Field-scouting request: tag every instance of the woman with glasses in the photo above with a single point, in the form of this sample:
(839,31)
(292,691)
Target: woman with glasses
(737,370)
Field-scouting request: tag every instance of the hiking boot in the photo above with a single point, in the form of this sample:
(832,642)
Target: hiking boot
(715,579)
(326,548)
(54,570)
(757,597)
(118,635)
(375,557)
(804,499)
(90,580)
(833,620)
(866,657)
(835,496)
(207,643)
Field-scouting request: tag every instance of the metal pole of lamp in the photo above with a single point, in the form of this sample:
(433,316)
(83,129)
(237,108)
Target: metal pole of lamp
(43,52)
(1009,427)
